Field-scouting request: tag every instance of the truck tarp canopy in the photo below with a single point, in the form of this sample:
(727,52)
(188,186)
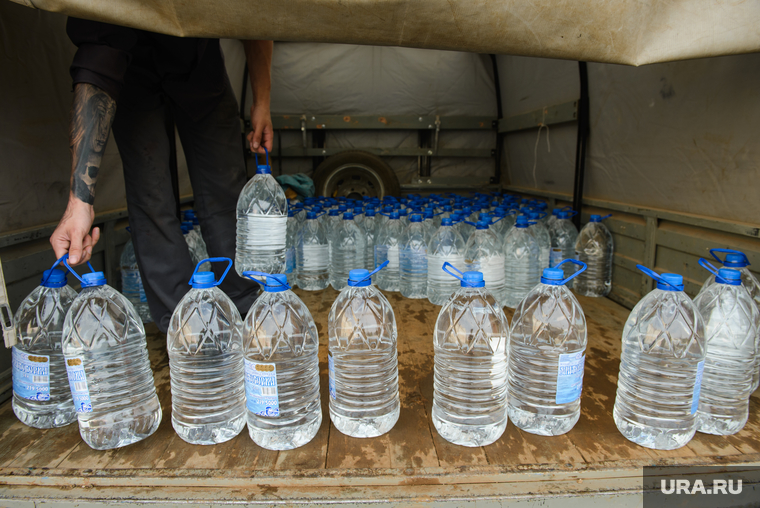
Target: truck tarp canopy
(631,32)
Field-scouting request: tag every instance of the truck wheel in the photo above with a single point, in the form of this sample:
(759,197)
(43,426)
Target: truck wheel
(355,174)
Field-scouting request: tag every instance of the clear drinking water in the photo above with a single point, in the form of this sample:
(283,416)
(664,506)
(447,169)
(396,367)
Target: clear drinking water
(349,245)
(594,247)
(41,395)
(483,254)
(539,231)
(732,322)
(563,236)
(546,357)
(205,346)
(369,226)
(108,367)
(446,246)
(661,367)
(312,255)
(470,375)
(413,259)
(291,269)
(281,348)
(363,362)
(387,249)
(521,262)
(262,215)
(131,282)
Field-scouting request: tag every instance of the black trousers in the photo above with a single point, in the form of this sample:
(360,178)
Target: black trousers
(216,165)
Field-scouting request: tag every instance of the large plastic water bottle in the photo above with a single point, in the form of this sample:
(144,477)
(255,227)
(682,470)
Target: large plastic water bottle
(281,348)
(131,282)
(387,249)
(446,246)
(363,360)
(413,259)
(521,255)
(262,215)
(205,346)
(483,254)
(41,395)
(312,255)
(108,367)
(349,245)
(594,247)
(732,323)
(291,270)
(543,238)
(471,341)
(547,351)
(563,236)
(369,226)
(661,367)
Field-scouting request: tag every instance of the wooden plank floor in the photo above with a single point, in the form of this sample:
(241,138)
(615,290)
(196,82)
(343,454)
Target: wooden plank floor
(413,449)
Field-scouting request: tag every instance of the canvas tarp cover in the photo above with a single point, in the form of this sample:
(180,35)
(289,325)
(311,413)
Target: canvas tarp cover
(632,32)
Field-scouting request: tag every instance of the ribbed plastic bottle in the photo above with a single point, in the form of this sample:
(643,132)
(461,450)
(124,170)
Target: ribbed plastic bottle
(470,388)
(387,248)
(349,245)
(547,351)
(41,395)
(312,255)
(262,215)
(483,254)
(205,345)
(281,349)
(108,367)
(563,237)
(594,247)
(292,227)
(195,245)
(543,238)
(363,359)
(413,259)
(446,246)
(661,367)
(131,282)
(369,226)
(521,255)
(732,323)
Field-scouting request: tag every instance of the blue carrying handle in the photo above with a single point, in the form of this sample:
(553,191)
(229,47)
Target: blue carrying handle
(655,276)
(573,275)
(58,262)
(213,260)
(354,283)
(65,260)
(458,275)
(727,251)
(710,268)
(250,274)
(256,156)
(605,216)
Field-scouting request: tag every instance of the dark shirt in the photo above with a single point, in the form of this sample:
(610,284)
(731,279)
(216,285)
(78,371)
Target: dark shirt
(140,69)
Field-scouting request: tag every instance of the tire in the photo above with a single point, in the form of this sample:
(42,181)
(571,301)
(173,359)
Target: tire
(355,174)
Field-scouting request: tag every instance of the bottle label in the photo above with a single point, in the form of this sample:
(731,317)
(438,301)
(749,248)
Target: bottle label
(556,257)
(78,384)
(331,376)
(570,377)
(290,260)
(261,388)
(315,257)
(265,232)
(31,375)
(393,257)
(697,387)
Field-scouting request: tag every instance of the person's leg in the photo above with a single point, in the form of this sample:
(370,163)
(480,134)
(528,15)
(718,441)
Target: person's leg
(216,164)
(162,254)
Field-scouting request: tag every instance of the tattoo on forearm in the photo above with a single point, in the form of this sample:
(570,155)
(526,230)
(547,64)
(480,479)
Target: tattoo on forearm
(91,117)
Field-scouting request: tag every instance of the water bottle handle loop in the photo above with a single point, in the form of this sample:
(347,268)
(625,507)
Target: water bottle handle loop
(460,276)
(57,262)
(256,155)
(655,276)
(542,213)
(573,275)
(567,208)
(250,274)
(710,268)
(605,216)
(65,260)
(727,251)
(213,260)
(354,283)
(470,223)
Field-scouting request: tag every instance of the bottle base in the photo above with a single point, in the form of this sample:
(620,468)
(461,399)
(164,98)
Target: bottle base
(414,295)
(711,424)
(46,417)
(313,284)
(209,434)
(122,428)
(653,437)
(365,427)
(469,435)
(287,438)
(542,425)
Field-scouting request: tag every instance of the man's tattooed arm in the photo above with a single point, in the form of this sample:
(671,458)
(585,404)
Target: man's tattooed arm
(91,117)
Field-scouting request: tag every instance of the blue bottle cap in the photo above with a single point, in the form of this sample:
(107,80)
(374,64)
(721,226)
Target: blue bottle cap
(53,278)
(472,280)
(735,260)
(394,215)
(556,211)
(482,224)
(333,213)
(356,276)
(202,280)
(263,169)
(552,276)
(595,218)
(563,214)
(521,222)
(415,218)
(670,282)
(348,216)
(358,210)
(93,279)
(311,215)
(484,216)
(404,212)
(342,207)
(276,283)
(446,221)
(370,212)
(729,276)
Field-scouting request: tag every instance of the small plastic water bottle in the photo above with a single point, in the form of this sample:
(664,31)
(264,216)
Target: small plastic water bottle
(538,230)
(413,259)
(41,395)
(369,226)
(483,254)
(471,341)
(108,367)
(594,247)
(363,360)
(446,246)
(281,349)
(661,367)
(262,215)
(291,270)
(205,346)
(547,351)
(131,282)
(521,262)
(387,249)
(563,237)
(312,255)
(732,324)
(349,244)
